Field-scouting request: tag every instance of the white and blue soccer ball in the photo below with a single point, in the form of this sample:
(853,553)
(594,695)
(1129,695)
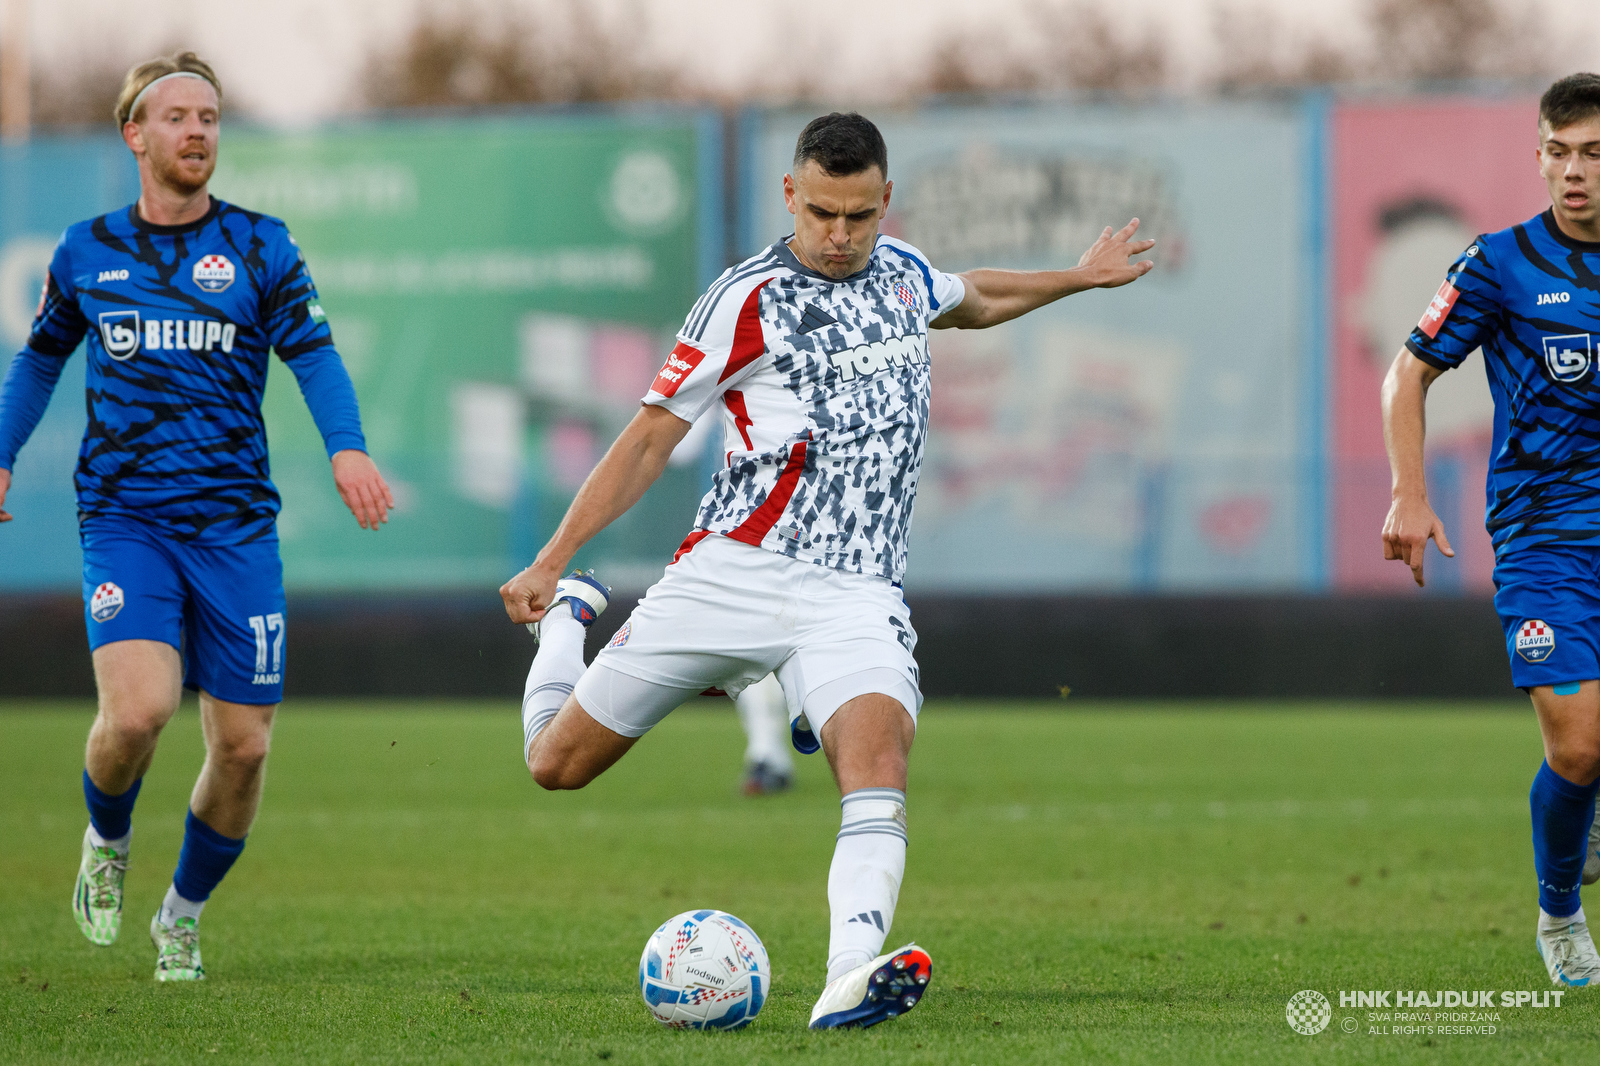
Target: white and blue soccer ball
(704,970)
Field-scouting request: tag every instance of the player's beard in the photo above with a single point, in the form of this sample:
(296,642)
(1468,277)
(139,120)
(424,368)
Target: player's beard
(175,175)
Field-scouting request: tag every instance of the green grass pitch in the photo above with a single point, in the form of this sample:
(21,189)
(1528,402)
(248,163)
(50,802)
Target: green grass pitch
(1095,882)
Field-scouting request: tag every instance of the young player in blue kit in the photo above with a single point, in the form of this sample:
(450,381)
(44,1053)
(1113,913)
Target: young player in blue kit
(180,297)
(1530,297)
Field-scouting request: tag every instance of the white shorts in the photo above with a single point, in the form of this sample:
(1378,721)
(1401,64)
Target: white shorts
(726,614)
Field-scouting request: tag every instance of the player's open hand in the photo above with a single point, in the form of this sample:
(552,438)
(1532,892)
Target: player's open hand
(527,594)
(1106,263)
(362,488)
(1406,531)
(5,487)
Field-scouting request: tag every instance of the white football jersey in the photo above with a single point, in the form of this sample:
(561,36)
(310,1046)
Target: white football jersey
(824,386)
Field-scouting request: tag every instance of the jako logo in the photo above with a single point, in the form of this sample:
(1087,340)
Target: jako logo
(1553,298)
(111,275)
(867,359)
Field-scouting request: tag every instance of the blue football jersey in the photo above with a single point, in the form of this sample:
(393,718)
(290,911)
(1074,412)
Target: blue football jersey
(1530,297)
(179,322)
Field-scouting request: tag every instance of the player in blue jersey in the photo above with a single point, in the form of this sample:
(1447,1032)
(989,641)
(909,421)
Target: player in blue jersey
(180,298)
(1530,297)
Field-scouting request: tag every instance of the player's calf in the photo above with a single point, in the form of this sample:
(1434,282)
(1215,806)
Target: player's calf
(579,601)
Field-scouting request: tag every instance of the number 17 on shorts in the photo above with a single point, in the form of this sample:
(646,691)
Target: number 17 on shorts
(268,629)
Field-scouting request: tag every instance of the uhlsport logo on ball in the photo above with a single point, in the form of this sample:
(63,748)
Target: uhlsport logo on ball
(704,970)
(1535,640)
(1309,1012)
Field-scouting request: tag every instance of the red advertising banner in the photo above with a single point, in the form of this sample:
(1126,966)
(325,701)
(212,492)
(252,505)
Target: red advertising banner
(1412,184)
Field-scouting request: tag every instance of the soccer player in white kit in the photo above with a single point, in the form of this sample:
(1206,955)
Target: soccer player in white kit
(817,350)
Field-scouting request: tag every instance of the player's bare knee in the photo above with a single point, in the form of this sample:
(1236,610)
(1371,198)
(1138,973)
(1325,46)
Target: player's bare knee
(556,771)
(133,728)
(240,756)
(1576,759)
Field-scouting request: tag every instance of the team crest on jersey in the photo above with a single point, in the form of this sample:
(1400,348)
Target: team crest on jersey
(213,273)
(105,603)
(622,635)
(1568,357)
(119,332)
(906,295)
(1535,641)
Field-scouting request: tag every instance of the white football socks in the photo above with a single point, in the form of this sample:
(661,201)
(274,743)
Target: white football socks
(555,670)
(175,907)
(869,862)
(764,713)
(119,845)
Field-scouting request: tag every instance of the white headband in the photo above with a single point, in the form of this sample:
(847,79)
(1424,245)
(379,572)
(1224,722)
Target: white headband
(134,110)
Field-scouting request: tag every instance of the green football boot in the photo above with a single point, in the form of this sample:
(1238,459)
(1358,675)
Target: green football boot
(177,950)
(97,897)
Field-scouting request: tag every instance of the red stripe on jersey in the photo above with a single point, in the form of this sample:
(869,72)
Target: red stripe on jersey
(755,528)
(1438,310)
(741,417)
(679,365)
(748,342)
(694,537)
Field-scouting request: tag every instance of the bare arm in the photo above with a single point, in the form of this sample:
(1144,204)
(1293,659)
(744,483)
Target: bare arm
(996,296)
(1411,518)
(629,468)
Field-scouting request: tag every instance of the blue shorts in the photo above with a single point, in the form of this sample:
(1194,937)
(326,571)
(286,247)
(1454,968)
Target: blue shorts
(222,606)
(1548,599)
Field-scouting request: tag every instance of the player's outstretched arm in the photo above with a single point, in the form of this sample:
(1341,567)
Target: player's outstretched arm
(362,488)
(995,296)
(1411,518)
(629,468)
(5,487)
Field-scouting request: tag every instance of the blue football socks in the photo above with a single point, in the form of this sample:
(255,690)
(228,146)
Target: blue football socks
(111,816)
(207,855)
(1562,812)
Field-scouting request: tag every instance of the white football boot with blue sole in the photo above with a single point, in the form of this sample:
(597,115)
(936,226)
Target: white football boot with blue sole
(585,595)
(875,991)
(1568,951)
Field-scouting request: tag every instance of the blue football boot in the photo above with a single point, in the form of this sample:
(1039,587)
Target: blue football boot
(585,595)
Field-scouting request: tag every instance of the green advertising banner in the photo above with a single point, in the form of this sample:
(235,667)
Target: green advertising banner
(502,291)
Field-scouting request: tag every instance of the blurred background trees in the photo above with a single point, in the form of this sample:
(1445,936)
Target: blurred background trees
(512,52)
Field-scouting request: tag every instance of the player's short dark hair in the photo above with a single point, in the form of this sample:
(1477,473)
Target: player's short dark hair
(1572,99)
(842,144)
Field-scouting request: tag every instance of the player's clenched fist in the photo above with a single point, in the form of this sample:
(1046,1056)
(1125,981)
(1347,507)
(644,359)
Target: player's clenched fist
(527,594)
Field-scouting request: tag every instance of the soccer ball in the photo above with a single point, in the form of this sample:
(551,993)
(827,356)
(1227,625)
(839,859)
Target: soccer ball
(704,970)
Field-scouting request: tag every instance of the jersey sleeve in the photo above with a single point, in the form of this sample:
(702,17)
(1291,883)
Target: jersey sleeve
(291,313)
(58,329)
(1463,313)
(292,317)
(721,343)
(58,324)
(945,291)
